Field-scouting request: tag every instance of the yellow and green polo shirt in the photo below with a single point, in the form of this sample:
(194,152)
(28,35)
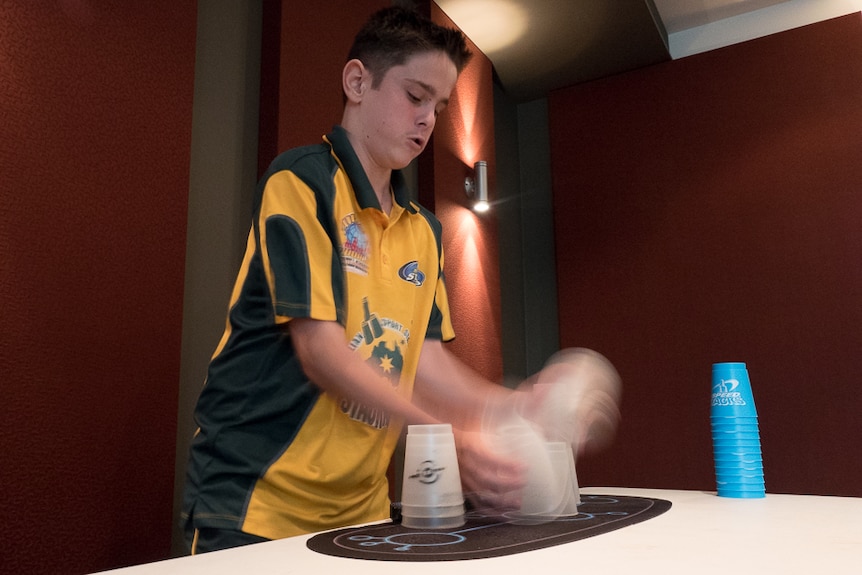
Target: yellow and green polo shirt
(274,455)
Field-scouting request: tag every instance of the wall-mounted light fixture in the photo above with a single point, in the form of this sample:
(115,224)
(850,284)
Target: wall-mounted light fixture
(478,188)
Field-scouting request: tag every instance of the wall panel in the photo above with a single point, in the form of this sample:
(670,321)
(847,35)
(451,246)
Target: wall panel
(95,109)
(707,210)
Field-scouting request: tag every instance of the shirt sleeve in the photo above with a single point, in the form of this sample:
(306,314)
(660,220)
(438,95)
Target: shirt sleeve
(440,322)
(298,255)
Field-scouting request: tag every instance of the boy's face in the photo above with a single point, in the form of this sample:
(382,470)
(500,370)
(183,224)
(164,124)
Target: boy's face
(399,115)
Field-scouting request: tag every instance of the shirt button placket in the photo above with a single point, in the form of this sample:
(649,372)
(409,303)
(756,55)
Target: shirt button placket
(385,258)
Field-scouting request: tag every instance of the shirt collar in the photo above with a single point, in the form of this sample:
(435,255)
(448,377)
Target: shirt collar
(365,195)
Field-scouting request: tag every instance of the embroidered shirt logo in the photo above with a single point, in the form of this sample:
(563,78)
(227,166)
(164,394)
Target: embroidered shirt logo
(411,273)
(354,251)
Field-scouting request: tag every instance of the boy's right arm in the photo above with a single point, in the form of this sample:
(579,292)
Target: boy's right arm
(328,361)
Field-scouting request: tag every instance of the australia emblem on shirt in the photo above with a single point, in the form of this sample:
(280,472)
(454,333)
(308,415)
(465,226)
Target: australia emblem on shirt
(354,250)
(381,342)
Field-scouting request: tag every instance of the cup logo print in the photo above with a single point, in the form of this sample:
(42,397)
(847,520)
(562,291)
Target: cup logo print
(427,472)
(724,393)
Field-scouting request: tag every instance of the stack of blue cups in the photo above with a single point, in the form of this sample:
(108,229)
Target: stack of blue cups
(735,433)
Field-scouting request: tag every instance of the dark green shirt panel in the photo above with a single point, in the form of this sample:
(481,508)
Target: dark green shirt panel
(319,176)
(254,402)
(435,321)
(290,266)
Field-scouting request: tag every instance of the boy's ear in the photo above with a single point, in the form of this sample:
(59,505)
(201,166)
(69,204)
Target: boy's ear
(355,80)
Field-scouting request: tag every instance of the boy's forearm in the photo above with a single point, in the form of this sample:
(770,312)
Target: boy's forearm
(331,365)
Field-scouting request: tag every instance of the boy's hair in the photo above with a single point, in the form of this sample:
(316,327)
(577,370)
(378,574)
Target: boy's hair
(392,35)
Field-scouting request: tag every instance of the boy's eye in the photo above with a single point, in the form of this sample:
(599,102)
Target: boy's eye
(414,98)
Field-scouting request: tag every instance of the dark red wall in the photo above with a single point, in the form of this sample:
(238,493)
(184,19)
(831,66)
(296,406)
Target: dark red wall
(707,210)
(305,49)
(95,115)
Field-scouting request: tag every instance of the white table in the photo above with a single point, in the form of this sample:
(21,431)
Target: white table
(701,534)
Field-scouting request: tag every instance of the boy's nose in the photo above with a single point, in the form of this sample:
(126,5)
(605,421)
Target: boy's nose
(427,117)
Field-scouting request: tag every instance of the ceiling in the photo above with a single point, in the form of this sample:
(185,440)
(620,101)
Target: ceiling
(539,45)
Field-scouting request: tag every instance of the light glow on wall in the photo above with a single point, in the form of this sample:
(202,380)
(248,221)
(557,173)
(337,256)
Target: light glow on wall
(471,241)
(492,24)
(463,107)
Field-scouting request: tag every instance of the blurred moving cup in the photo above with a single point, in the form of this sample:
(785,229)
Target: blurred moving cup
(551,488)
(581,392)
(572,404)
(431,496)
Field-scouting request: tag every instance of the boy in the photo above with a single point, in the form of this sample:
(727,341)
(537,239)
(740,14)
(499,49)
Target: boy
(336,322)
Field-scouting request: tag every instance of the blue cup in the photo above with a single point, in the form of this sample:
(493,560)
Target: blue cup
(731,444)
(731,391)
(733,424)
(741,488)
(737,454)
(740,494)
(739,461)
(743,477)
(750,435)
(738,489)
(731,418)
(739,466)
(735,433)
(740,483)
(735,450)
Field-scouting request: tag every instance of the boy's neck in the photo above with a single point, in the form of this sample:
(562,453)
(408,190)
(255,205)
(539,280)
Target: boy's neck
(379,178)
(384,198)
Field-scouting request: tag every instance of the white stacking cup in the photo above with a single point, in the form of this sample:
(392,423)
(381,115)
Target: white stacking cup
(431,495)
(551,489)
(542,495)
(563,462)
